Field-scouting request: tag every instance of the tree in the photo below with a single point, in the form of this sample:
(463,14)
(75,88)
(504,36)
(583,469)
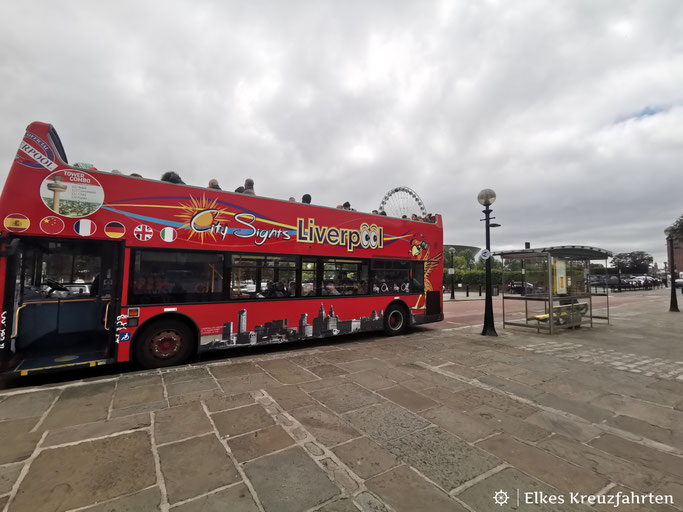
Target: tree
(635,262)
(469,257)
(677,228)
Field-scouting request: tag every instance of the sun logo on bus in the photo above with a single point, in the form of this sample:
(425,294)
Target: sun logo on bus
(199,216)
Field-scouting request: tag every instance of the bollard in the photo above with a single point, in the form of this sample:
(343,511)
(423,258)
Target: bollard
(480,290)
(467,290)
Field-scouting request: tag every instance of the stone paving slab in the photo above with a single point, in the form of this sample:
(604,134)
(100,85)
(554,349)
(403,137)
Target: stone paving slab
(287,372)
(406,491)
(180,422)
(80,404)
(327,370)
(542,465)
(192,386)
(345,398)
(125,398)
(27,405)
(328,428)
(246,383)
(464,426)
(86,473)
(499,421)
(233,499)
(232,370)
(442,457)
(196,466)
(96,429)
(289,481)
(365,457)
(223,403)
(385,421)
(240,421)
(640,454)
(9,475)
(614,468)
(407,398)
(261,442)
(291,397)
(146,500)
(18,442)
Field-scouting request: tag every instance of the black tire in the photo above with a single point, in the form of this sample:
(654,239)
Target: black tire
(396,320)
(164,343)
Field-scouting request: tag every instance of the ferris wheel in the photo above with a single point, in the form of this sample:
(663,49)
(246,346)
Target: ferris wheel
(402,201)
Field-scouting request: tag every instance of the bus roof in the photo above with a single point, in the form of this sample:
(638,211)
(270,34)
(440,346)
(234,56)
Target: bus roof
(44,196)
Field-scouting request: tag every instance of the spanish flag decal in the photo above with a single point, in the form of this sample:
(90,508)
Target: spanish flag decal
(17,223)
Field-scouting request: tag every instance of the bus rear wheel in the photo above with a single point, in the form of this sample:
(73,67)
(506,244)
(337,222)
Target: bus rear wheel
(164,343)
(395,320)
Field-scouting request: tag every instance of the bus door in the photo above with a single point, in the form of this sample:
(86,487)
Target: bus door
(66,299)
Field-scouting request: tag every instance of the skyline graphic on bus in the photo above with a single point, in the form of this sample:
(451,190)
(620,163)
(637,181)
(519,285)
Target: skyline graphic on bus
(278,331)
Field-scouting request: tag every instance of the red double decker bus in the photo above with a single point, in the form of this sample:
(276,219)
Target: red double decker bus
(98,267)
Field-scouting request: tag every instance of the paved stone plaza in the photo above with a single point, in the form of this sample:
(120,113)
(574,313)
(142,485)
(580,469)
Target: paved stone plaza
(439,420)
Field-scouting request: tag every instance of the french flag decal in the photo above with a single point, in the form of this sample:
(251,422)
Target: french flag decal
(85,227)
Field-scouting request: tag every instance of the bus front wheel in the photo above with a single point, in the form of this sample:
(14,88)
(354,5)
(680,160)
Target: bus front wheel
(164,343)
(395,320)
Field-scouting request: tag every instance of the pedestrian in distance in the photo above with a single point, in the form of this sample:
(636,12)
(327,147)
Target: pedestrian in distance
(306,199)
(213,183)
(249,187)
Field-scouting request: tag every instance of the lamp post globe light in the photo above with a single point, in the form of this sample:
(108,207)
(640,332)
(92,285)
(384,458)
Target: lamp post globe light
(673,305)
(452,251)
(486,198)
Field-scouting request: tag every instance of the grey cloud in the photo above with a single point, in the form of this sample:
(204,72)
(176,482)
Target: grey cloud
(345,100)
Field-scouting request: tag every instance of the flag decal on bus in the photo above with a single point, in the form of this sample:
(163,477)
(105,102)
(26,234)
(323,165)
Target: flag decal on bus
(85,227)
(115,230)
(17,223)
(52,225)
(143,232)
(168,234)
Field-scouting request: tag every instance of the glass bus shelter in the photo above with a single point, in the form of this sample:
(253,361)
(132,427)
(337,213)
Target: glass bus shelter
(549,288)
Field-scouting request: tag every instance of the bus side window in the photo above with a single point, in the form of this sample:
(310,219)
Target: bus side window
(309,284)
(417,282)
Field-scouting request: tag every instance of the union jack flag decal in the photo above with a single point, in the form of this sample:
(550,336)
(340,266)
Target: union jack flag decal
(143,232)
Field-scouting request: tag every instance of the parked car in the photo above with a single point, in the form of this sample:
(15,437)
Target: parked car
(678,283)
(521,288)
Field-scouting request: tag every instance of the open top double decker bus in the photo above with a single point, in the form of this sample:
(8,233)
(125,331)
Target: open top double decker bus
(98,267)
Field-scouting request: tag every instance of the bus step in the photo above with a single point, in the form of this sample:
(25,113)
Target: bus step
(37,364)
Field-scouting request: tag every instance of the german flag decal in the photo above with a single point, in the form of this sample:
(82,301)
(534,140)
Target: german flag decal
(17,223)
(115,230)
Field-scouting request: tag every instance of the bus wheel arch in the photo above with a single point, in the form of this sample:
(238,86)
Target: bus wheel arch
(168,339)
(396,318)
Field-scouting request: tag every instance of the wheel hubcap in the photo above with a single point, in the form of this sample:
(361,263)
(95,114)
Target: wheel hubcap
(395,320)
(166,344)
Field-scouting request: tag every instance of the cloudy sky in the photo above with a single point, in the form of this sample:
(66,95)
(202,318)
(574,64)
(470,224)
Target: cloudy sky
(572,111)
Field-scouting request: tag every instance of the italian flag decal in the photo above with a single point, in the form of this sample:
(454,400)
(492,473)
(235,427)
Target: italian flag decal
(168,234)
(85,227)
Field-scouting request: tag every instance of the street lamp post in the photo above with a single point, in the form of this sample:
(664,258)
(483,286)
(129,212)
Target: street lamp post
(673,305)
(486,198)
(452,251)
